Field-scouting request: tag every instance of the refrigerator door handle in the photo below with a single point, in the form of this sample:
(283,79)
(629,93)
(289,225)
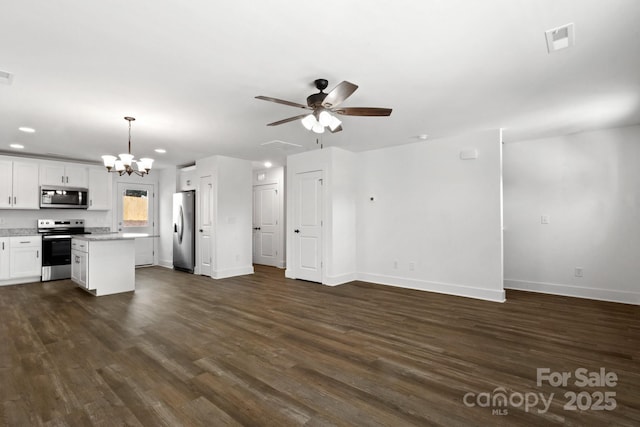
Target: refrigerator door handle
(181,225)
(175,228)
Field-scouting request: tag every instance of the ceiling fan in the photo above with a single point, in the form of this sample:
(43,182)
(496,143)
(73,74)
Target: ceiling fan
(323,104)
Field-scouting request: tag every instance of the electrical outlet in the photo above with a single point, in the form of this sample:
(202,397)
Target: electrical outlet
(412,266)
(545,219)
(578,271)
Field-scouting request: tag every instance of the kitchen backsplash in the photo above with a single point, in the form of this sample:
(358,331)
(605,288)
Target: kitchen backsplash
(29,218)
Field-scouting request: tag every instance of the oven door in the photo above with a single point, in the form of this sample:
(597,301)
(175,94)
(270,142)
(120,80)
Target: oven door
(56,257)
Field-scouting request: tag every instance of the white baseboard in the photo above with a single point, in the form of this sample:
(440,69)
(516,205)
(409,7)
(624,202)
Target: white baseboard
(328,280)
(611,295)
(165,263)
(339,280)
(441,288)
(232,272)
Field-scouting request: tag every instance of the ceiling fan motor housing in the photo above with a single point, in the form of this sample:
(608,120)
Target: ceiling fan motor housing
(315,100)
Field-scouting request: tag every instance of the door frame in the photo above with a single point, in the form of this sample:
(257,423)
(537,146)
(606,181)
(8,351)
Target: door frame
(149,179)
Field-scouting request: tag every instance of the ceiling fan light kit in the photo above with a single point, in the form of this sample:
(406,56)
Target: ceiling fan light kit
(124,164)
(323,104)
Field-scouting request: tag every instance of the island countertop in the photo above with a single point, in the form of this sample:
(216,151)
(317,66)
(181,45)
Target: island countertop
(111,236)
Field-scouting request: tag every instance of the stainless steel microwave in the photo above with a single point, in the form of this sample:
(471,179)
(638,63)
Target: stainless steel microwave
(64,197)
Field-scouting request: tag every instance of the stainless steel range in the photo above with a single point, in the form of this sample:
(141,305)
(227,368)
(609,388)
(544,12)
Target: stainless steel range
(56,246)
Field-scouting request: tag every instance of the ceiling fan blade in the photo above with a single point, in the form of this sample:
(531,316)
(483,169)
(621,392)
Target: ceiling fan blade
(338,129)
(282,101)
(290,119)
(338,94)
(363,111)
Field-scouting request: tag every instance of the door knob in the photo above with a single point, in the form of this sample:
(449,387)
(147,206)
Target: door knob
(296,231)
(256,228)
(200,230)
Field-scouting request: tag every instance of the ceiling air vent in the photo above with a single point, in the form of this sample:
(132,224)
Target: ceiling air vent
(6,77)
(560,38)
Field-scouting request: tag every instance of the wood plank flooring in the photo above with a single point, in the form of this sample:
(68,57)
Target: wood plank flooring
(261,350)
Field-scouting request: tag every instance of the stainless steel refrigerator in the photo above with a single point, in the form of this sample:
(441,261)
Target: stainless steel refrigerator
(184,231)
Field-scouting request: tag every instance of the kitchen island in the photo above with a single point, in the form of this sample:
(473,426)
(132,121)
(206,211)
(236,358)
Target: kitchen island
(103,264)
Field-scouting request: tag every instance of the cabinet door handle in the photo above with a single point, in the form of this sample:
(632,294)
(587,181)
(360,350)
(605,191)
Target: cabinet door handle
(62,179)
(15,200)
(3,246)
(9,199)
(37,254)
(67,180)
(91,202)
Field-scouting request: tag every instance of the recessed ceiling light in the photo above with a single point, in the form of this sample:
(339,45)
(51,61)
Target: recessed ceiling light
(267,164)
(17,146)
(26,129)
(423,136)
(160,150)
(6,77)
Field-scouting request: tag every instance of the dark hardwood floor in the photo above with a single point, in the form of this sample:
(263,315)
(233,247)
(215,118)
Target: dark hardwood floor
(261,350)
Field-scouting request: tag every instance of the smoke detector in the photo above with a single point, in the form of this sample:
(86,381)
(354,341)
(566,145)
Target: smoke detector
(560,38)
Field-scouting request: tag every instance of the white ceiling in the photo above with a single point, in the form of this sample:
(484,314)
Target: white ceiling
(189,71)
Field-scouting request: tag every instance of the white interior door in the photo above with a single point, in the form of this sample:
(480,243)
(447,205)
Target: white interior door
(266,233)
(205,226)
(135,216)
(307,233)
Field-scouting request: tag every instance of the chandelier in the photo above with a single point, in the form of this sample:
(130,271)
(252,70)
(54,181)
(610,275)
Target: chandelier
(323,120)
(124,163)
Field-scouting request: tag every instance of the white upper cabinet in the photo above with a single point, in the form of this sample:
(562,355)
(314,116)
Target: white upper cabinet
(64,175)
(187,179)
(6,184)
(100,189)
(19,185)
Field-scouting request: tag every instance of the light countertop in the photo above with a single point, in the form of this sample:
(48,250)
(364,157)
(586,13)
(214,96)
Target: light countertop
(111,236)
(9,232)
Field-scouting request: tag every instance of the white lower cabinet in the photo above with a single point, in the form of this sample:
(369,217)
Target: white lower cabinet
(4,258)
(25,257)
(103,266)
(80,264)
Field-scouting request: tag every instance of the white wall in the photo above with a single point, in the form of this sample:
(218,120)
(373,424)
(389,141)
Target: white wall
(341,227)
(589,185)
(338,210)
(436,221)
(166,188)
(233,214)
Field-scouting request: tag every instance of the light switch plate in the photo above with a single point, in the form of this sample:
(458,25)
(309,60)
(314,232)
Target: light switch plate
(545,219)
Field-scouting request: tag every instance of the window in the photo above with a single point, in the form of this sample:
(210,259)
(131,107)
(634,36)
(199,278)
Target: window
(135,208)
